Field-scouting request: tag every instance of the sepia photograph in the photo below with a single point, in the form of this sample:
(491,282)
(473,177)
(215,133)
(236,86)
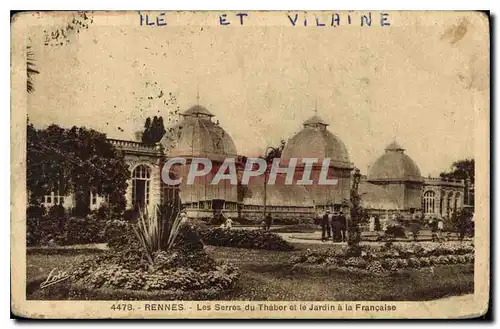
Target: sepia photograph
(246,164)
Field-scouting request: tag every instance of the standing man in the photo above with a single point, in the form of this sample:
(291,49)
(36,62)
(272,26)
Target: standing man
(343,226)
(335,227)
(269,221)
(434,228)
(325,227)
(330,224)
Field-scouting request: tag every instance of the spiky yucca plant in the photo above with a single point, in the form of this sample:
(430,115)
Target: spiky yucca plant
(151,230)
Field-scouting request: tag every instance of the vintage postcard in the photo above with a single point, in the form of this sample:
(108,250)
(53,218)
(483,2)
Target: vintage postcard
(247,164)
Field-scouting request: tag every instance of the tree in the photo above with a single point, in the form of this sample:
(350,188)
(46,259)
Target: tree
(461,169)
(30,70)
(154,130)
(77,160)
(462,222)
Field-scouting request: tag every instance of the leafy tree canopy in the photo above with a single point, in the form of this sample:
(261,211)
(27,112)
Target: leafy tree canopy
(154,130)
(77,160)
(461,169)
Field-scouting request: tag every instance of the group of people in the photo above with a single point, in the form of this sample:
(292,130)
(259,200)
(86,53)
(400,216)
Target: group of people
(334,226)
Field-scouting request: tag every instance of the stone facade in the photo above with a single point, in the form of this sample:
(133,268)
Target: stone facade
(441,198)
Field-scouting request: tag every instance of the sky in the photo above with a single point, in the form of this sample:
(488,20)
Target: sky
(419,81)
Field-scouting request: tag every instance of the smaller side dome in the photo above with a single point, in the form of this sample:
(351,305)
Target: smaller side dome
(394,166)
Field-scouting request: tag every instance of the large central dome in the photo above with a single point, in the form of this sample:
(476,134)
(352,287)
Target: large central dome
(315,141)
(394,165)
(196,135)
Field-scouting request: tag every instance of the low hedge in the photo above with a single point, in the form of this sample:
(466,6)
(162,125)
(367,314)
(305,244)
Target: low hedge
(251,239)
(71,230)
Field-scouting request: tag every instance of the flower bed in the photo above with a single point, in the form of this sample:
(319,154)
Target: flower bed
(390,258)
(179,270)
(251,239)
(172,271)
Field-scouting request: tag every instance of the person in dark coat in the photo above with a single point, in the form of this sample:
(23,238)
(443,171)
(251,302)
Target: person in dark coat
(336,228)
(434,229)
(269,221)
(343,227)
(325,227)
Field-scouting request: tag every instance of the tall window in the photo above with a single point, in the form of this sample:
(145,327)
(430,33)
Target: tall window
(141,179)
(170,193)
(429,202)
(456,205)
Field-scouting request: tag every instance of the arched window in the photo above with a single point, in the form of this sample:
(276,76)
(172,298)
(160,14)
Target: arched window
(429,202)
(141,179)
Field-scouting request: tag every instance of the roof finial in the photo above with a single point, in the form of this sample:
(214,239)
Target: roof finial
(198,94)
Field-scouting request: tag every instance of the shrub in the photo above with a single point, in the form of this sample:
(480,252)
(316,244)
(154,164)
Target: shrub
(395,231)
(130,215)
(35,214)
(42,227)
(113,229)
(188,239)
(36,211)
(82,230)
(56,227)
(252,239)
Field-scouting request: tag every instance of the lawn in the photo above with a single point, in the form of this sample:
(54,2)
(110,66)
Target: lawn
(267,275)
